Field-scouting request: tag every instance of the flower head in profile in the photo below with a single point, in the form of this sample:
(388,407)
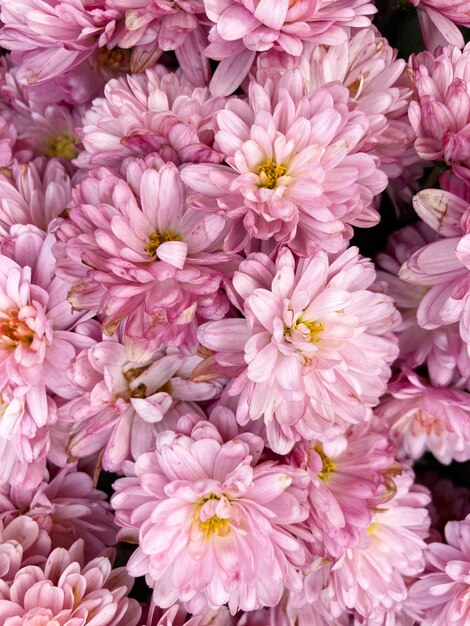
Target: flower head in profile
(65,590)
(213,524)
(439,21)
(135,250)
(314,352)
(296,173)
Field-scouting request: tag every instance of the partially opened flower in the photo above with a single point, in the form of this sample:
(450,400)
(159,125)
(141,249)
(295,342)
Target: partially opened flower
(313,354)
(441,596)
(213,524)
(296,173)
(68,592)
(439,21)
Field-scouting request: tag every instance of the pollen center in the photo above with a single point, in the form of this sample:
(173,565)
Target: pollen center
(315,329)
(328,464)
(215,526)
(62,146)
(156,238)
(269,172)
(14,331)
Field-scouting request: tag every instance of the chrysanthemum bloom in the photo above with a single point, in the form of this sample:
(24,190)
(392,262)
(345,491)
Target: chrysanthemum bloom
(51,37)
(439,113)
(67,507)
(65,591)
(438,19)
(348,477)
(373,579)
(124,394)
(10,148)
(213,525)
(151,112)
(33,193)
(442,268)
(241,29)
(422,417)
(440,349)
(296,172)
(441,596)
(135,249)
(313,354)
(22,543)
(160,25)
(368,66)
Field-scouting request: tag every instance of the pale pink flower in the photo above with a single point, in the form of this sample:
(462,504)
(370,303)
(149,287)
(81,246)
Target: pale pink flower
(368,66)
(178,616)
(422,417)
(441,596)
(135,250)
(126,396)
(373,579)
(438,20)
(65,591)
(296,173)
(51,37)
(33,193)
(151,28)
(241,29)
(440,349)
(314,352)
(151,112)
(441,268)
(439,113)
(22,543)
(213,525)
(67,507)
(348,477)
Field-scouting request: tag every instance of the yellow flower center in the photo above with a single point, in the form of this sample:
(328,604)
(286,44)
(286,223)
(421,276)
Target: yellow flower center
(269,172)
(14,331)
(157,238)
(315,329)
(62,146)
(372,528)
(328,464)
(215,526)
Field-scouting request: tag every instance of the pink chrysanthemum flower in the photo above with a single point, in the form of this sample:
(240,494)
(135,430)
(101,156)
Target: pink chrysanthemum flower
(441,596)
(178,616)
(33,193)
(241,29)
(438,20)
(161,25)
(22,543)
(135,249)
(439,111)
(373,579)
(368,66)
(152,112)
(440,349)
(313,354)
(348,476)
(442,268)
(67,507)
(51,37)
(124,394)
(296,172)
(422,417)
(11,148)
(212,524)
(65,591)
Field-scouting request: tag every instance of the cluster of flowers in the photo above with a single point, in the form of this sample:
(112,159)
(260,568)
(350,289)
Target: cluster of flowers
(180,306)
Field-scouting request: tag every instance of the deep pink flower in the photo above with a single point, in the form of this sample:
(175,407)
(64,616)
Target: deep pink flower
(441,595)
(349,476)
(213,525)
(151,112)
(438,20)
(51,37)
(126,395)
(241,29)
(296,172)
(135,250)
(312,356)
(65,591)
(439,113)
(422,417)
(33,193)
(67,507)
